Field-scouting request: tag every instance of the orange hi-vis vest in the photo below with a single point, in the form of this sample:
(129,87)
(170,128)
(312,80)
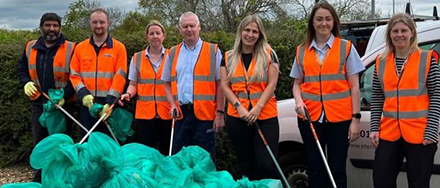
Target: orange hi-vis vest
(103,74)
(61,65)
(205,90)
(326,87)
(249,91)
(152,98)
(406,105)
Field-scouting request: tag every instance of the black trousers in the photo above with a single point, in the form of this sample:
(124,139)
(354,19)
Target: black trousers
(254,160)
(389,157)
(334,139)
(39,132)
(154,133)
(88,121)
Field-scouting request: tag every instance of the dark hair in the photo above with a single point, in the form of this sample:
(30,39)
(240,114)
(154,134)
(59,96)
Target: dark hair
(50,16)
(103,11)
(311,30)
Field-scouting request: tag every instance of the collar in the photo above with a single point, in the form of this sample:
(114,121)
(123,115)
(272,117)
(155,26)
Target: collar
(39,45)
(329,42)
(199,43)
(147,54)
(108,42)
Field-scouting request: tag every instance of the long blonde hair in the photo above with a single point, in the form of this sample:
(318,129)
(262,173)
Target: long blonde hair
(405,19)
(259,52)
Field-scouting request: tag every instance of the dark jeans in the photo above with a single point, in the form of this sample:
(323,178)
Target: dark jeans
(88,121)
(389,157)
(254,160)
(334,139)
(154,133)
(191,131)
(39,132)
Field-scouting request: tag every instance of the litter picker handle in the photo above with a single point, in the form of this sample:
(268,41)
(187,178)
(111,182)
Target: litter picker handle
(306,112)
(174,113)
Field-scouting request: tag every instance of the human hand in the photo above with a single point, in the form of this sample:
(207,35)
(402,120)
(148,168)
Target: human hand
(374,137)
(61,102)
(427,142)
(87,101)
(219,122)
(30,89)
(252,116)
(106,110)
(126,97)
(354,130)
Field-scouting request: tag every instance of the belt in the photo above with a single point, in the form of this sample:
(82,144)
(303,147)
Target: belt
(187,106)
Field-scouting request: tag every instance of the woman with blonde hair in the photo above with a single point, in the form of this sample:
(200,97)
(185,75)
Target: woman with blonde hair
(153,120)
(405,107)
(249,75)
(326,72)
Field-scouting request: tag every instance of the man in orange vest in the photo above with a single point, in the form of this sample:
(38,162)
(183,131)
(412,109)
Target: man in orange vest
(98,69)
(45,65)
(192,76)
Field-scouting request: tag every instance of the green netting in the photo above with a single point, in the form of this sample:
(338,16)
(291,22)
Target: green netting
(101,162)
(22,185)
(52,118)
(120,123)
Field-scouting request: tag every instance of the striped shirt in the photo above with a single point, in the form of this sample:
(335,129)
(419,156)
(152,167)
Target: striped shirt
(433,85)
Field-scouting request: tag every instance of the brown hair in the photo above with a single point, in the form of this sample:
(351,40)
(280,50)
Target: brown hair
(154,23)
(311,30)
(103,11)
(405,19)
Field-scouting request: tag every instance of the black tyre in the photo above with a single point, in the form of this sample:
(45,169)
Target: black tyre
(295,169)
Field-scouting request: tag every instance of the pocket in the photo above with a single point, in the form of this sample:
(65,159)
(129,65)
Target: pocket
(87,63)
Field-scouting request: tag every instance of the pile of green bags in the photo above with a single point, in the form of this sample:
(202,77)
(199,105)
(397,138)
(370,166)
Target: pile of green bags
(101,162)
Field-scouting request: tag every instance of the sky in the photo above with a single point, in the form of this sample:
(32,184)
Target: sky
(26,14)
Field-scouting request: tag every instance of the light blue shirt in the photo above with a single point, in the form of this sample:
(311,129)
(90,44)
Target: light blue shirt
(354,64)
(185,71)
(133,74)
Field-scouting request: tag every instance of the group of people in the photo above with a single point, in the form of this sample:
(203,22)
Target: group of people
(189,83)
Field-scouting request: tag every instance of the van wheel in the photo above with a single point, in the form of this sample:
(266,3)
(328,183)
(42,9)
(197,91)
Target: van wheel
(295,169)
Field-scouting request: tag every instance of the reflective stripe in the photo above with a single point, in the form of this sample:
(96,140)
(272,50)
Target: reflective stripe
(60,69)
(406,115)
(242,95)
(173,78)
(138,61)
(203,78)
(100,93)
(200,97)
(381,73)
(114,93)
(73,72)
(146,81)
(151,98)
(213,63)
(326,77)
(100,74)
(160,82)
(175,97)
(120,72)
(68,56)
(342,54)
(60,84)
(146,97)
(33,66)
(79,86)
(302,52)
(326,97)
(172,54)
(239,79)
(229,61)
(255,95)
(421,90)
(28,50)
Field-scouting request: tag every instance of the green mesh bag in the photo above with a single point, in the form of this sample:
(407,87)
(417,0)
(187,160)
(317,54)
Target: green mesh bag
(52,118)
(264,183)
(144,158)
(95,110)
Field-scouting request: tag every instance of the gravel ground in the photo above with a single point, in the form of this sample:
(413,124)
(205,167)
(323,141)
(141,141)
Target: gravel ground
(21,172)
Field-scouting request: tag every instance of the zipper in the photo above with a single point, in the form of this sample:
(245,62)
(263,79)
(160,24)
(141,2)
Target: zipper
(96,73)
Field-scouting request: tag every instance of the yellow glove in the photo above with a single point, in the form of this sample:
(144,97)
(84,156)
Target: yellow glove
(30,89)
(104,109)
(61,102)
(88,101)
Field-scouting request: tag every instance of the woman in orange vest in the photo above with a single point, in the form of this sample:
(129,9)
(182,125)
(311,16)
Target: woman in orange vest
(249,75)
(326,72)
(405,107)
(153,119)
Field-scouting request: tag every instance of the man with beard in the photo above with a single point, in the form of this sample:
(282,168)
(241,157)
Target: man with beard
(98,70)
(45,64)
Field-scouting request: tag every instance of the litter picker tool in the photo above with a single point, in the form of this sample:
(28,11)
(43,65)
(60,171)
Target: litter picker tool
(271,155)
(99,121)
(172,131)
(319,147)
(62,109)
(110,130)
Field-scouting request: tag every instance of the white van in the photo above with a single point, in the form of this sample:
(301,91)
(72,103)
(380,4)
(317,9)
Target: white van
(361,152)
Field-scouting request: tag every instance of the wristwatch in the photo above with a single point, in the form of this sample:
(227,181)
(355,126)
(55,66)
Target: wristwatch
(237,104)
(357,115)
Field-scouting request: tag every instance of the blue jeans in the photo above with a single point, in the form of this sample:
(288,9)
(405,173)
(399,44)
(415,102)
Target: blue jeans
(191,131)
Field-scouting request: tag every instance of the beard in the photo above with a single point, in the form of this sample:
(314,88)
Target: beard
(99,32)
(51,37)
